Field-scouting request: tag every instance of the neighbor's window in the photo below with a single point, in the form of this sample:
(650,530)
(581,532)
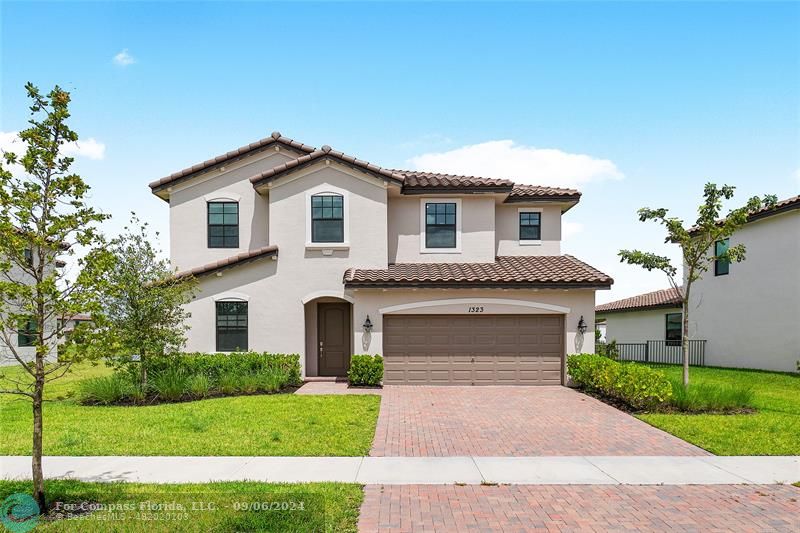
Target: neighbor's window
(327,218)
(231,326)
(721,266)
(674,332)
(223,224)
(26,334)
(530,226)
(28,253)
(440,225)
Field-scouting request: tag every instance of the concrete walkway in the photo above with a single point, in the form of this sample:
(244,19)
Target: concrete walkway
(571,470)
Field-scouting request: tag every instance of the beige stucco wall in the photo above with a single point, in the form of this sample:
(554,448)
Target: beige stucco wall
(477,230)
(637,326)
(188,214)
(750,316)
(507,234)
(277,289)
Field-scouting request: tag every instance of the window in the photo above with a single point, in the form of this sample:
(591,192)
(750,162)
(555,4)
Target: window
(530,226)
(327,218)
(674,332)
(721,266)
(28,253)
(231,326)
(440,225)
(26,334)
(223,224)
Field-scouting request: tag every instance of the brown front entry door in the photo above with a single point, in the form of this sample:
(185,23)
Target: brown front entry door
(333,335)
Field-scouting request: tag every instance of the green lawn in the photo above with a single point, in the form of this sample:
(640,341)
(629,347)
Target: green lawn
(317,506)
(773,430)
(281,424)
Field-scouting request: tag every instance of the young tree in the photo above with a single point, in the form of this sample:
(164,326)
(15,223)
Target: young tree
(697,245)
(43,212)
(144,301)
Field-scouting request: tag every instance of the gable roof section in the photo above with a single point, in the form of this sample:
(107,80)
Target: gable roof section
(788,204)
(665,298)
(228,157)
(229,262)
(326,152)
(522,272)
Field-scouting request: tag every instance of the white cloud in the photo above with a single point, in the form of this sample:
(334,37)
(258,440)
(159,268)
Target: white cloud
(89,148)
(123,59)
(523,164)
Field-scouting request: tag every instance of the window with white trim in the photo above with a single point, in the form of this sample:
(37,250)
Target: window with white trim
(231,324)
(327,218)
(530,226)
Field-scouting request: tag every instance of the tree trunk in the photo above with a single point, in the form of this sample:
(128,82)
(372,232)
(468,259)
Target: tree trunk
(685,340)
(36,460)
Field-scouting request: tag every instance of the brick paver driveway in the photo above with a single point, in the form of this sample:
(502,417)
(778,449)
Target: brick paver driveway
(580,508)
(511,421)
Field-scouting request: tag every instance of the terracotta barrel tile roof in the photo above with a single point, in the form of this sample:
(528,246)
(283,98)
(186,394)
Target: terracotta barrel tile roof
(652,300)
(426,181)
(234,260)
(325,151)
(242,151)
(553,271)
(523,192)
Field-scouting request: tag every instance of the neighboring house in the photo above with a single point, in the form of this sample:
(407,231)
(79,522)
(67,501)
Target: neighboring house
(746,312)
(22,339)
(69,323)
(453,279)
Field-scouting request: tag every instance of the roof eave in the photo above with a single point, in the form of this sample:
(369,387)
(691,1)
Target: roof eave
(472,285)
(273,252)
(504,189)
(261,182)
(677,305)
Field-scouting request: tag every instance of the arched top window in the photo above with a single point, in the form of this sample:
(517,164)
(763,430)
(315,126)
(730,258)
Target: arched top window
(327,217)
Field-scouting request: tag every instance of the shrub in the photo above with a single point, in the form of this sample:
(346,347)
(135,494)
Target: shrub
(248,383)
(704,397)
(637,385)
(366,370)
(170,384)
(228,383)
(609,350)
(272,380)
(198,385)
(215,365)
(105,390)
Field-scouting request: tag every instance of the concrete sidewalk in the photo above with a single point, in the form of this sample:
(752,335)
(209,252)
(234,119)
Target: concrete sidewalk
(552,470)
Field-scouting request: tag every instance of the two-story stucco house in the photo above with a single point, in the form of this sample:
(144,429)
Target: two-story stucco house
(453,279)
(744,314)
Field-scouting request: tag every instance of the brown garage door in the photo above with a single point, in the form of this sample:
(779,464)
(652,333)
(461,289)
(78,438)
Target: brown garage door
(473,349)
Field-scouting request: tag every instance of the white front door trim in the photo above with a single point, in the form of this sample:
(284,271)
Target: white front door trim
(473,301)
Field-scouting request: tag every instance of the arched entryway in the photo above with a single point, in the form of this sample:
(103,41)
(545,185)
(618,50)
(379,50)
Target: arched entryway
(329,336)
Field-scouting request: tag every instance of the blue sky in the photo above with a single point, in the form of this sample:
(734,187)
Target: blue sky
(635,103)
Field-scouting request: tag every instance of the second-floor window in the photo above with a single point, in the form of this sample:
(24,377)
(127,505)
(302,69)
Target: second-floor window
(26,334)
(721,266)
(28,253)
(530,226)
(223,224)
(440,225)
(327,218)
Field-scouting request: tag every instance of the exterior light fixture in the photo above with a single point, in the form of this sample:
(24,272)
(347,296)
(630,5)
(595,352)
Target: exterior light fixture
(582,325)
(367,325)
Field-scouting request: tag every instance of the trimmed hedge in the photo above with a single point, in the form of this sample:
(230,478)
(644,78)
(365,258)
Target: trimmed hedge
(215,365)
(639,386)
(366,370)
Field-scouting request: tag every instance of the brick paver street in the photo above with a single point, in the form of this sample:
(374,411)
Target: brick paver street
(739,508)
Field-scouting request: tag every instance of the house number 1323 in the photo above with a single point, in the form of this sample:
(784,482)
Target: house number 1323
(475,309)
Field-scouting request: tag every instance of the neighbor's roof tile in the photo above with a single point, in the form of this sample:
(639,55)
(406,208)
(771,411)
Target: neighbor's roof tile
(664,298)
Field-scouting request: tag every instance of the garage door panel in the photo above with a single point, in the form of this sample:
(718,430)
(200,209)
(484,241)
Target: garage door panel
(473,350)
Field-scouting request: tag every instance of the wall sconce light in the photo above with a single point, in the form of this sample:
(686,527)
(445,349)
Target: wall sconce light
(367,325)
(582,325)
